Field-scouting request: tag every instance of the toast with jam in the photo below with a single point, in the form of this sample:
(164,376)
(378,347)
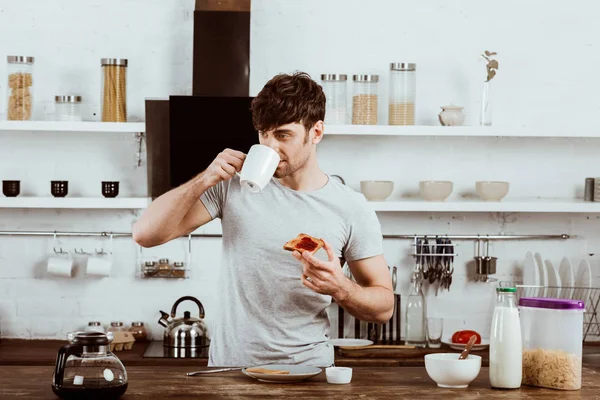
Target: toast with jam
(304,242)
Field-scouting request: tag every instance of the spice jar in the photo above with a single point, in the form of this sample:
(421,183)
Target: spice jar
(179,269)
(149,268)
(67,108)
(403,93)
(138,331)
(334,87)
(552,342)
(20,88)
(164,269)
(94,326)
(364,100)
(116,326)
(114,90)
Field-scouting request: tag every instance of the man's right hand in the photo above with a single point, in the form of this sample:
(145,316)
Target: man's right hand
(224,167)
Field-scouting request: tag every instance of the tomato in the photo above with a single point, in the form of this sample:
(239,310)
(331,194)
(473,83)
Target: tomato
(464,336)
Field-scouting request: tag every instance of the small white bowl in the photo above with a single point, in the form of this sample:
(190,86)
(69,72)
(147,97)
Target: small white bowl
(435,190)
(450,372)
(338,375)
(376,190)
(491,191)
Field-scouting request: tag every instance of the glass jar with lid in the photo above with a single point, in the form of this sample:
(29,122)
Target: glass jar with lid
(20,88)
(94,326)
(67,108)
(403,93)
(552,342)
(138,331)
(334,87)
(365,99)
(116,326)
(149,269)
(114,89)
(179,269)
(164,268)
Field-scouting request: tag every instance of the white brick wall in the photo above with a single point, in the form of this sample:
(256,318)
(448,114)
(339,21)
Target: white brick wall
(546,78)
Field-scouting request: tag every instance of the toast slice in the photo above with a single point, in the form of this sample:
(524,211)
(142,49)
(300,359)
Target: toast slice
(304,242)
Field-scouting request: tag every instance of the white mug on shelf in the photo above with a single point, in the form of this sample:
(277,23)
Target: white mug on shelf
(60,265)
(259,167)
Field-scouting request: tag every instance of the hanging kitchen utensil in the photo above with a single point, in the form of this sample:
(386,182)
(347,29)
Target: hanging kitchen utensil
(488,263)
(450,264)
(478,260)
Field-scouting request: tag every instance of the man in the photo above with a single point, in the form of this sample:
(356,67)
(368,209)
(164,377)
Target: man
(273,302)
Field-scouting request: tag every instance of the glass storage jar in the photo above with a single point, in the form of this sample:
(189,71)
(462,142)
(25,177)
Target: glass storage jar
(67,108)
(364,99)
(164,268)
(179,269)
(20,88)
(116,326)
(552,342)
(403,93)
(114,90)
(149,269)
(94,326)
(138,331)
(334,87)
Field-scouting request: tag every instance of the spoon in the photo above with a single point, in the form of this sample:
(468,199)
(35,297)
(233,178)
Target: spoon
(465,352)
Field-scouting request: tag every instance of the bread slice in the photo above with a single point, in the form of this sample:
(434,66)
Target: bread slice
(304,242)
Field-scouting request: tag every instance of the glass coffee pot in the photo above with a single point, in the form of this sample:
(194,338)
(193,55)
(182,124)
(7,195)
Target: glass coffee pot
(86,369)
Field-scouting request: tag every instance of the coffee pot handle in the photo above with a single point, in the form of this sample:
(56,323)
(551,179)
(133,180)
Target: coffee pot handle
(184,298)
(61,360)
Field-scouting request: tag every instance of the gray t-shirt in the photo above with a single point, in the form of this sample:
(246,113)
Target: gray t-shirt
(266,315)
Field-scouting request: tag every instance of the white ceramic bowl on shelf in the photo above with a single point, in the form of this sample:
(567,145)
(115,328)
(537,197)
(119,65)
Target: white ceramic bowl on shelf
(435,190)
(449,372)
(376,190)
(491,191)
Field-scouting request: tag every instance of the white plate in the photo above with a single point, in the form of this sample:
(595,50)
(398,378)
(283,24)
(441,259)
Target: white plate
(567,278)
(542,274)
(350,342)
(531,274)
(297,373)
(553,280)
(460,346)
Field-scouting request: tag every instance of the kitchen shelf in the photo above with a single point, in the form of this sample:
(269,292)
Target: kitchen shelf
(533,205)
(75,202)
(464,131)
(73,126)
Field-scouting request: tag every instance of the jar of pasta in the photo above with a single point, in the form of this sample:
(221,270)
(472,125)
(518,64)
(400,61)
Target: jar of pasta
(364,100)
(403,93)
(20,88)
(552,331)
(114,90)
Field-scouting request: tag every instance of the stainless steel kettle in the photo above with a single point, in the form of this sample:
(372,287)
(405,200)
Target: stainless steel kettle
(185,332)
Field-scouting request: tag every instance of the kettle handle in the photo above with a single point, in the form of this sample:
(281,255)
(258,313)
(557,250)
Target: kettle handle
(184,298)
(61,360)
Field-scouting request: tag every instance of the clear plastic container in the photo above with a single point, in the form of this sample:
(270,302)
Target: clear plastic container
(365,99)
(20,88)
(335,88)
(552,342)
(403,93)
(114,90)
(67,108)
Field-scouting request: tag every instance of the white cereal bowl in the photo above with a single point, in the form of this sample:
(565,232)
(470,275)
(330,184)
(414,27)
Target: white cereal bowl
(435,190)
(450,372)
(376,190)
(338,375)
(491,191)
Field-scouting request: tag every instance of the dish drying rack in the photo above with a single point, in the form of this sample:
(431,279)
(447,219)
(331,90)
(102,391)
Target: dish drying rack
(589,295)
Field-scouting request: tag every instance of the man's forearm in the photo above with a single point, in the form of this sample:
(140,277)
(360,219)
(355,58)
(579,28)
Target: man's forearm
(161,221)
(372,304)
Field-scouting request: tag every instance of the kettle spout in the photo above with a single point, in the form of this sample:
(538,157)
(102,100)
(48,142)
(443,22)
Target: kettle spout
(164,319)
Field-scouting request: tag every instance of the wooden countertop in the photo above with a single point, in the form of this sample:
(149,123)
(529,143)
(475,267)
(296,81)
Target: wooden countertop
(33,383)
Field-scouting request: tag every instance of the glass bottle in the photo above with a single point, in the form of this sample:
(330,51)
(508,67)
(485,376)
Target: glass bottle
(486,104)
(415,314)
(506,351)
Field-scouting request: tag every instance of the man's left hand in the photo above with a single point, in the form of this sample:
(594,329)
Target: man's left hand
(324,277)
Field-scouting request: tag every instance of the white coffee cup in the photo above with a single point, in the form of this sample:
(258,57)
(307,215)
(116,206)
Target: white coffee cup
(98,266)
(60,266)
(259,167)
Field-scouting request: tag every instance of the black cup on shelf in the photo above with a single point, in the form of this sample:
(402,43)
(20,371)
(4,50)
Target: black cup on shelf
(11,188)
(110,188)
(59,188)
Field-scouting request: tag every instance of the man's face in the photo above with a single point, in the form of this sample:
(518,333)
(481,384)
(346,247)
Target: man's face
(292,143)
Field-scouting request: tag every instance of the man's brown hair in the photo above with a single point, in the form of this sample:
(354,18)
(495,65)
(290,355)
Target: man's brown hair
(286,99)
